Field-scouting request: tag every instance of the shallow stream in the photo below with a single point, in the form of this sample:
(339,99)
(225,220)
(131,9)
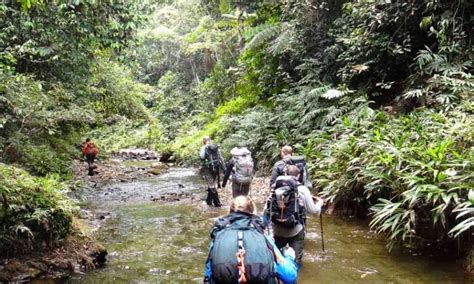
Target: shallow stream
(166,242)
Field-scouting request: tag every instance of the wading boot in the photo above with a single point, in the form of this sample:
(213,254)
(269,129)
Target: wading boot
(209,197)
(91,170)
(215,198)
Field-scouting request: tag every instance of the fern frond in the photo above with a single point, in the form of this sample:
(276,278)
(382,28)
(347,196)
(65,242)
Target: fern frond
(264,36)
(282,42)
(429,62)
(318,92)
(332,94)
(334,113)
(416,93)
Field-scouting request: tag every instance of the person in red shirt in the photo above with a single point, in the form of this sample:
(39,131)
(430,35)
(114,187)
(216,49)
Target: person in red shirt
(90,151)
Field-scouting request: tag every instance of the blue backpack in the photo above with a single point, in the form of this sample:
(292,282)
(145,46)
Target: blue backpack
(240,231)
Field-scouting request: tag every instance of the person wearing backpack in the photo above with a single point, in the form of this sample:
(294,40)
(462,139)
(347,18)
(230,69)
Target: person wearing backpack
(90,151)
(287,159)
(240,166)
(212,166)
(286,208)
(240,252)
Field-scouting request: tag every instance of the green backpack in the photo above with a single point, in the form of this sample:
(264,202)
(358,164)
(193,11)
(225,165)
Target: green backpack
(240,231)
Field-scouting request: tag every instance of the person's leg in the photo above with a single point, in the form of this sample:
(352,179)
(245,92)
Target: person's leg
(239,189)
(209,177)
(209,197)
(297,243)
(280,242)
(90,162)
(213,195)
(217,202)
(245,189)
(235,189)
(210,185)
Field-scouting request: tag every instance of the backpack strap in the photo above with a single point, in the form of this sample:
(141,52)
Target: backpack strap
(241,257)
(240,239)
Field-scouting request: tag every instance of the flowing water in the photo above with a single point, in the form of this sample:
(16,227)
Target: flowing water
(167,242)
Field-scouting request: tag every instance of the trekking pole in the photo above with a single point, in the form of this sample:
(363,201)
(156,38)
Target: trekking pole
(322,232)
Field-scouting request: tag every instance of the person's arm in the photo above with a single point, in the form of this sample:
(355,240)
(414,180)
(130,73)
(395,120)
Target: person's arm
(208,267)
(266,212)
(286,267)
(308,203)
(221,160)
(228,171)
(202,152)
(275,173)
(207,272)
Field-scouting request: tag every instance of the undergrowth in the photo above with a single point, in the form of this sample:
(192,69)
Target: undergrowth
(35,212)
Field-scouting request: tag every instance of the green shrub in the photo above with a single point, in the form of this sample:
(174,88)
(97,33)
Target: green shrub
(413,171)
(34,211)
(126,134)
(44,160)
(114,92)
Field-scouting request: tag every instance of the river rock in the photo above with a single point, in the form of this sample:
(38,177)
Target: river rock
(16,266)
(155,171)
(136,154)
(167,157)
(38,265)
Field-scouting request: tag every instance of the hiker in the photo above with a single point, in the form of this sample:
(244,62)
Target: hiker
(286,208)
(90,151)
(241,253)
(240,166)
(287,158)
(212,166)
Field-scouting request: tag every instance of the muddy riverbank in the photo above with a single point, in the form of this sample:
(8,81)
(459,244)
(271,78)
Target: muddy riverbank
(78,253)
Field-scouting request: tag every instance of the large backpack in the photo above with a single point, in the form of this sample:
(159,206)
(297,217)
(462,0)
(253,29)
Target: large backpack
(241,233)
(300,162)
(243,166)
(285,209)
(213,159)
(89,149)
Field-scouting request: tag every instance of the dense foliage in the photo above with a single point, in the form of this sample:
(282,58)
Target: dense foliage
(35,213)
(414,170)
(376,94)
(59,76)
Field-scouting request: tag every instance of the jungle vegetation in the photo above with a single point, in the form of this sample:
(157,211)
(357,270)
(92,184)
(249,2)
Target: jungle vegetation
(378,95)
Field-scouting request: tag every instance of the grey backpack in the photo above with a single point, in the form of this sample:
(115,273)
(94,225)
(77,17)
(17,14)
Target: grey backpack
(243,166)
